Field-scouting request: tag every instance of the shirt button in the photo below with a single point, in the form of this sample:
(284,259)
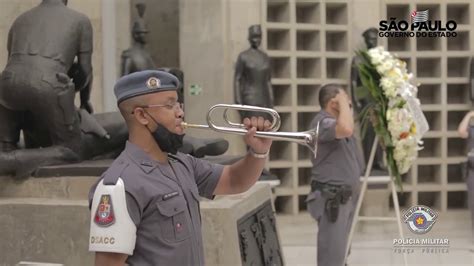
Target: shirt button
(175,209)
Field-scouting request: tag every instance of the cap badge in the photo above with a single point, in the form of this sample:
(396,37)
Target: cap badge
(153,83)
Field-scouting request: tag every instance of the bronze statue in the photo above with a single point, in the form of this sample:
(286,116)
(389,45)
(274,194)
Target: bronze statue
(137,57)
(360,98)
(37,95)
(252,79)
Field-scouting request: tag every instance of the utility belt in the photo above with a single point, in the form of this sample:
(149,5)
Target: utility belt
(335,195)
(467,166)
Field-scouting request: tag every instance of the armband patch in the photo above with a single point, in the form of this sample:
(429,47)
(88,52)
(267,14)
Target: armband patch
(104,215)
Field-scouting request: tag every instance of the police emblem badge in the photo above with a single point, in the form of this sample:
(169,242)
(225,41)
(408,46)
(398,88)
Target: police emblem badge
(153,83)
(420,219)
(104,215)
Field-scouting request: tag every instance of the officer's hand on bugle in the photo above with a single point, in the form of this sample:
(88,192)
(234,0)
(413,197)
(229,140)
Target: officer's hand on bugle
(254,124)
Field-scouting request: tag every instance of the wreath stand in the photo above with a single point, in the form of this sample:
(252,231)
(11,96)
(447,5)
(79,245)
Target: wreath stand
(379,179)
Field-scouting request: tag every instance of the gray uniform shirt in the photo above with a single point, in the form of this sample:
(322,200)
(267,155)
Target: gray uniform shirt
(338,161)
(163,202)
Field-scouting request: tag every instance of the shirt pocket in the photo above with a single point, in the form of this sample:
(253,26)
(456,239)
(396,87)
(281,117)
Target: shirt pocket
(174,223)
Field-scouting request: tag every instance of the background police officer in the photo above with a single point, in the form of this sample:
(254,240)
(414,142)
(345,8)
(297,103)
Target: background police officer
(466,131)
(145,208)
(335,174)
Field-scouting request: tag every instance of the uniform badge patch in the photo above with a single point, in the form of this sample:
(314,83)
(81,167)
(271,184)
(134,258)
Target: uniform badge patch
(104,215)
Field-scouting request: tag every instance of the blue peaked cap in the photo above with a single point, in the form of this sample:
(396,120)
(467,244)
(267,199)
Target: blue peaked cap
(144,82)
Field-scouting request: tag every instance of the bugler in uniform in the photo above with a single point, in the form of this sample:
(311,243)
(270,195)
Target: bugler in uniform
(145,207)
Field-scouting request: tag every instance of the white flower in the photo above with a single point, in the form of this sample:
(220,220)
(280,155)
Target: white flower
(400,123)
(385,67)
(376,55)
(376,59)
(391,92)
(386,83)
(405,152)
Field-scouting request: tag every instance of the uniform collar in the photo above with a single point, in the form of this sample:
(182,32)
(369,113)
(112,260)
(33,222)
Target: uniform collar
(141,158)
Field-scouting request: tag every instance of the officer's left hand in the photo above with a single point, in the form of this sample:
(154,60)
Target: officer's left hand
(88,107)
(258,145)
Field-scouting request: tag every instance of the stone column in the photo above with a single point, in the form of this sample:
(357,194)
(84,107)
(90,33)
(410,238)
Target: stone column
(212,34)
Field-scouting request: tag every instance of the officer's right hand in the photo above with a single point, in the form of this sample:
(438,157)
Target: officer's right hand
(339,99)
(342,97)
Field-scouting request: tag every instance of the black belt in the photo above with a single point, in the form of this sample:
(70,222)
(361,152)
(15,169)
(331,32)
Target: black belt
(331,191)
(334,196)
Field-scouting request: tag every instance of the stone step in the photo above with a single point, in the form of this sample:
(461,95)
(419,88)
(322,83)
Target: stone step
(69,187)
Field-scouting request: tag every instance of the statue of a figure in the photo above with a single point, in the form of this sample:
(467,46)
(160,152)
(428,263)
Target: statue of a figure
(360,98)
(252,79)
(137,57)
(37,94)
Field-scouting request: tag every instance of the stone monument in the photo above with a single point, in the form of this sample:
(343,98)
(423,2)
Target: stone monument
(37,95)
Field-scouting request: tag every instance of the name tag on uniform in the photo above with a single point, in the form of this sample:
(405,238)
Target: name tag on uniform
(170,195)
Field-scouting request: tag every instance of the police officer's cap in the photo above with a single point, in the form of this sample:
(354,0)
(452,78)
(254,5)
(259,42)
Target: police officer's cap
(144,82)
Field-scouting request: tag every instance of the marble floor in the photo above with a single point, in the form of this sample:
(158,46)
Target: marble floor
(373,242)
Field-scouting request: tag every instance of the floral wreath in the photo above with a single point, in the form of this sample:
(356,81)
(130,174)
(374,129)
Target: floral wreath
(393,109)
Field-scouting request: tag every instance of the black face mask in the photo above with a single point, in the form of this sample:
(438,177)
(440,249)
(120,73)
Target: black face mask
(167,141)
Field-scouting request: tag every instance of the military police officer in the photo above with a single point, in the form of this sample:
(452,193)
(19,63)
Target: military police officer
(145,208)
(466,131)
(335,175)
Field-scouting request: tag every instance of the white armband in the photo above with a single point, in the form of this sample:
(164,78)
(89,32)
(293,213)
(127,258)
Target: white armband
(112,229)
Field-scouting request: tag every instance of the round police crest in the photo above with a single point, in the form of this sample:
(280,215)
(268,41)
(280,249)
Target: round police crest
(153,83)
(420,219)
